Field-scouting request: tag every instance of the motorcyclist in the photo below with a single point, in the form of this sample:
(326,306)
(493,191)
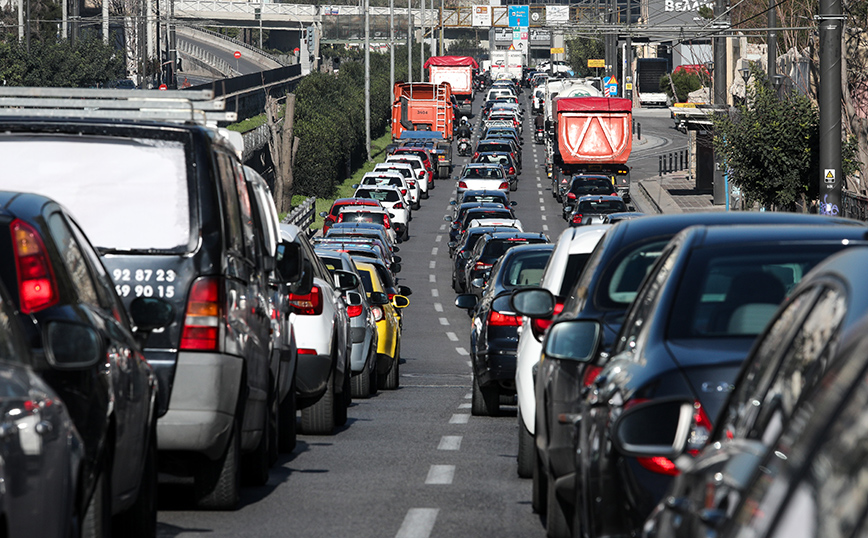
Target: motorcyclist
(463,130)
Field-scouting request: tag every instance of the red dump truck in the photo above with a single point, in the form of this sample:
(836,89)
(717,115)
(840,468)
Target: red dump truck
(422,106)
(458,72)
(593,135)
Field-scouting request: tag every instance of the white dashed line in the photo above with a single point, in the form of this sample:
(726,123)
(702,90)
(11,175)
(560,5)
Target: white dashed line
(440,474)
(459,418)
(542,200)
(462,351)
(438,238)
(450,442)
(435,293)
(542,208)
(543,217)
(452,336)
(442,227)
(418,523)
(540,191)
(434,251)
(444,321)
(468,396)
(438,307)
(464,406)
(545,227)
(432,278)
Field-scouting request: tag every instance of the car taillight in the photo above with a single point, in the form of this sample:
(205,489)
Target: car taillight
(577,218)
(511,169)
(504,185)
(377,312)
(309,304)
(204,315)
(399,205)
(354,310)
(422,174)
(387,222)
(36,283)
(482,265)
(476,155)
(462,185)
(571,195)
(306,351)
(699,434)
(340,218)
(591,373)
(540,325)
(403,191)
(497,319)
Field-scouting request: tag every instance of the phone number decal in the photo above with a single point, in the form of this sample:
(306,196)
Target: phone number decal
(140,282)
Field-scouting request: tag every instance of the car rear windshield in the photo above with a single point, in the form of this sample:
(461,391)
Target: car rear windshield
(483,173)
(494,146)
(403,171)
(474,214)
(525,270)
(493,159)
(484,198)
(575,264)
(602,206)
(590,186)
(412,162)
(735,291)
(359,216)
(498,247)
(382,196)
(127,194)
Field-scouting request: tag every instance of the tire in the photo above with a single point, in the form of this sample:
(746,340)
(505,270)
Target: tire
(97,520)
(361,385)
(417,205)
(485,401)
(406,235)
(513,186)
(343,402)
(455,286)
(140,519)
(526,448)
(273,424)
(390,380)
(319,419)
(287,424)
(217,484)
(424,195)
(556,521)
(255,465)
(538,495)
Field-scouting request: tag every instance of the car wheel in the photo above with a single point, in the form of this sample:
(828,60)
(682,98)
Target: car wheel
(406,235)
(346,399)
(513,186)
(525,450)
(319,419)
(273,423)
(373,375)
(538,494)
(287,422)
(217,484)
(255,465)
(361,385)
(425,195)
(556,521)
(485,401)
(390,380)
(97,517)
(140,519)
(417,205)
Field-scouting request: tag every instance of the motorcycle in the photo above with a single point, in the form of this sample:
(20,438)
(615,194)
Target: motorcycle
(538,136)
(464,147)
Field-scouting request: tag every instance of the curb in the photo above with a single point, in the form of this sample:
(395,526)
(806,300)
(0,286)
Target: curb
(659,197)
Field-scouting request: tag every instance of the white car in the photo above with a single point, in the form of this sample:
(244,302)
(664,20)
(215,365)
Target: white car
(376,215)
(483,176)
(571,252)
(500,223)
(411,193)
(406,170)
(418,166)
(389,197)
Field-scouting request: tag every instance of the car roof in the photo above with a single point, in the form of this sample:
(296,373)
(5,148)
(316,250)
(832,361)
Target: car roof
(707,236)
(599,197)
(379,209)
(521,235)
(578,240)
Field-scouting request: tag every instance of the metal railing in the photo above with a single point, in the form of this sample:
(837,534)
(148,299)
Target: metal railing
(241,44)
(207,57)
(854,206)
(673,162)
(302,215)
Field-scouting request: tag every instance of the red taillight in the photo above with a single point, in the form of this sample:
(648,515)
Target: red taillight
(462,185)
(354,311)
(377,312)
(511,169)
(571,195)
(504,185)
(340,218)
(36,284)
(399,205)
(309,304)
(476,155)
(204,315)
(306,351)
(577,218)
(591,373)
(403,191)
(497,319)
(422,174)
(540,325)
(387,222)
(482,265)
(659,465)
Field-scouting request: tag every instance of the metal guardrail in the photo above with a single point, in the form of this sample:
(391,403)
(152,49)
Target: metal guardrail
(677,161)
(302,215)
(854,206)
(240,43)
(209,58)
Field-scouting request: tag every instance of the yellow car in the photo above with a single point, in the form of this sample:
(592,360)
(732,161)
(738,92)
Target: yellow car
(385,313)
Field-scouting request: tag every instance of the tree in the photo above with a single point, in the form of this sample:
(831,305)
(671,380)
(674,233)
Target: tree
(684,83)
(83,64)
(580,50)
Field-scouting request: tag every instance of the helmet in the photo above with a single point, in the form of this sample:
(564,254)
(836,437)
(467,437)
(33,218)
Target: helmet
(463,120)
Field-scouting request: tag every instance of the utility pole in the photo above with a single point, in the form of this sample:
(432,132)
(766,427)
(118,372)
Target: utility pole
(105,22)
(773,42)
(442,28)
(368,79)
(831,21)
(391,45)
(719,186)
(422,42)
(433,26)
(409,43)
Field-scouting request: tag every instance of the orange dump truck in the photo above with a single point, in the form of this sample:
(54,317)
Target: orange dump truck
(422,106)
(458,72)
(594,135)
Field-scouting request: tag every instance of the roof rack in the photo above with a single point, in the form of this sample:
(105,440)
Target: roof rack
(197,106)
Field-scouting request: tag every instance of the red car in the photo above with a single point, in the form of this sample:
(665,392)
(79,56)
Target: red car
(331,215)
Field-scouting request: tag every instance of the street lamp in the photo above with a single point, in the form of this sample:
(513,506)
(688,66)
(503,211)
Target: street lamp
(777,82)
(709,68)
(745,74)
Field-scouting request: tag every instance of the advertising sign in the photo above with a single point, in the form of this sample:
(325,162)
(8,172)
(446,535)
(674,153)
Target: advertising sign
(519,16)
(677,12)
(481,16)
(557,14)
(596,63)
(540,37)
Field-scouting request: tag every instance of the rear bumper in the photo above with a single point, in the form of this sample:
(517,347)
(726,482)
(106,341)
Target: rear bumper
(496,366)
(311,377)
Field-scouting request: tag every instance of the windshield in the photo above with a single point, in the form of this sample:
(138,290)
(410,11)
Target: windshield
(602,206)
(377,218)
(498,247)
(486,214)
(525,270)
(127,194)
(483,173)
(382,196)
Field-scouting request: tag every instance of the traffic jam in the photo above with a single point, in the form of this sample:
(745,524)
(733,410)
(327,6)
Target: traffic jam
(698,374)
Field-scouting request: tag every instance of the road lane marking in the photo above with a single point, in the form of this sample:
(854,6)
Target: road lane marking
(450,442)
(434,251)
(464,406)
(438,307)
(418,523)
(438,238)
(432,278)
(435,293)
(468,396)
(540,191)
(440,474)
(543,217)
(462,351)
(545,227)
(452,336)
(542,200)
(442,227)
(459,418)
(444,321)
(432,264)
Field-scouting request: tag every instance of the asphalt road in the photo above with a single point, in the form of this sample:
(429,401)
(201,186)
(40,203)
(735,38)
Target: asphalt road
(410,463)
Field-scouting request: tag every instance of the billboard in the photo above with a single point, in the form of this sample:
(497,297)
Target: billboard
(557,13)
(677,12)
(481,16)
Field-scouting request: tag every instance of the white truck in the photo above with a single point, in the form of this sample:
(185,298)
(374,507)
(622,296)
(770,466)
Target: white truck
(507,64)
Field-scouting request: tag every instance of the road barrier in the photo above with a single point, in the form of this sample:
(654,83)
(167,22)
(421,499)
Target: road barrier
(302,215)
(676,162)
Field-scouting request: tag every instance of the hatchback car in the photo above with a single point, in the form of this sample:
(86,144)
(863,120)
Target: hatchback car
(388,326)
(488,251)
(331,216)
(482,177)
(593,209)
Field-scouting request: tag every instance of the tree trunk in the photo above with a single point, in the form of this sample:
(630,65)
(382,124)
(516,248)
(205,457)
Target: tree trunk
(288,151)
(274,143)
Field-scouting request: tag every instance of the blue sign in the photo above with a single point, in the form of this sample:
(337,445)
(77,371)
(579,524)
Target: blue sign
(519,16)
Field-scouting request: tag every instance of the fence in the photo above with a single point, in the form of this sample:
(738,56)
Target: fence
(303,215)
(677,161)
(854,206)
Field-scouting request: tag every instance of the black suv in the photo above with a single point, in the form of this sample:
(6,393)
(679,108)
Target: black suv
(168,209)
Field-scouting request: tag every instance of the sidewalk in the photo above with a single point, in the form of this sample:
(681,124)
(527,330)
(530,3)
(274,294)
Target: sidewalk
(676,193)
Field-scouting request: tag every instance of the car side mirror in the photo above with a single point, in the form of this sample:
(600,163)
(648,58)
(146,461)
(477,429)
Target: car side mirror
(659,428)
(72,346)
(453,202)
(452,244)
(533,302)
(573,340)
(463,254)
(396,267)
(345,280)
(395,248)
(477,283)
(513,203)
(446,218)
(466,301)
(323,214)
(405,290)
(288,262)
(397,259)
(378,298)
(399,301)
(355,185)
(149,313)
(354,298)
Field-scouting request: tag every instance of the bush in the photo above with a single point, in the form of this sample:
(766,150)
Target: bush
(684,83)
